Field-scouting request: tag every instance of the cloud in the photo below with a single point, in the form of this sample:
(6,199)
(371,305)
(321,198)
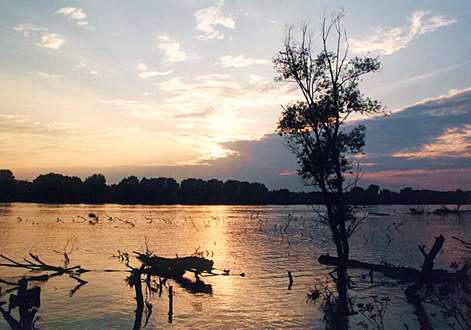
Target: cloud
(239,61)
(422,178)
(420,78)
(51,40)
(389,41)
(212,76)
(151,74)
(432,136)
(453,143)
(209,105)
(141,67)
(74,14)
(171,49)
(436,121)
(196,114)
(133,105)
(217,91)
(39,145)
(85,67)
(44,37)
(254,79)
(436,133)
(28,29)
(24,125)
(207,19)
(48,75)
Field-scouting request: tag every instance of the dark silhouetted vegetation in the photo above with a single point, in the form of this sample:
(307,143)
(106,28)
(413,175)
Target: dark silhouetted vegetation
(58,188)
(314,129)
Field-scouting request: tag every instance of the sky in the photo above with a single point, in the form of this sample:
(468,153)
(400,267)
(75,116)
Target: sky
(186,89)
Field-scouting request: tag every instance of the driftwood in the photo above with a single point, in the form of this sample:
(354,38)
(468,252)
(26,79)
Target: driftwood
(405,274)
(418,278)
(424,277)
(38,265)
(165,268)
(173,267)
(34,263)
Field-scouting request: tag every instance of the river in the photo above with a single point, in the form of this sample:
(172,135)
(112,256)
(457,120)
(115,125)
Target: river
(263,242)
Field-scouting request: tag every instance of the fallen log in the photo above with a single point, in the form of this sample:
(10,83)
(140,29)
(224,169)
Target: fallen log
(405,274)
(173,267)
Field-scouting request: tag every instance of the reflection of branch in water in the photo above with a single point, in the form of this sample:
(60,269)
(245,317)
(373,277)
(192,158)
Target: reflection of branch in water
(75,289)
(36,264)
(28,302)
(170,304)
(134,280)
(197,286)
(148,312)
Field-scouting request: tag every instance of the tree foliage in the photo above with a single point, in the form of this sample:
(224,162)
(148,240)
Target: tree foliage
(329,84)
(314,128)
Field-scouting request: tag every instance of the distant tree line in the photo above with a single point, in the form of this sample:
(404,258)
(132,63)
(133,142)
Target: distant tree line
(58,188)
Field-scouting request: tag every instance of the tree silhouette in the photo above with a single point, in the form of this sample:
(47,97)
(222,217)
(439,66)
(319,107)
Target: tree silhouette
(95,188)
(313,127)
(58,188)
(7,184)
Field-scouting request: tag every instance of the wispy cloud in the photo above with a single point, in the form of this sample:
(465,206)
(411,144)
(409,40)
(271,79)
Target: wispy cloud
(196,114)
(171,49)
(239,61)
(151,74)
(24,125)
(44,37)
(226,96)
(207,19)
(75,14)
(132,105)
(388,41)
(48,75)
(419,78)
(211,77)
(28,29)
(84,66)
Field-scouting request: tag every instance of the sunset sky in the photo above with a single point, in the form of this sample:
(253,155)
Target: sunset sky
(185,88)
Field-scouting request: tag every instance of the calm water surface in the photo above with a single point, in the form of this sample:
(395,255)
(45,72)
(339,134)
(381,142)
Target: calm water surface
(244,239)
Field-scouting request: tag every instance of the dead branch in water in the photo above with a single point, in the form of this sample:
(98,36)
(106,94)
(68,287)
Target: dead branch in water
(34,263)
(424,276)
